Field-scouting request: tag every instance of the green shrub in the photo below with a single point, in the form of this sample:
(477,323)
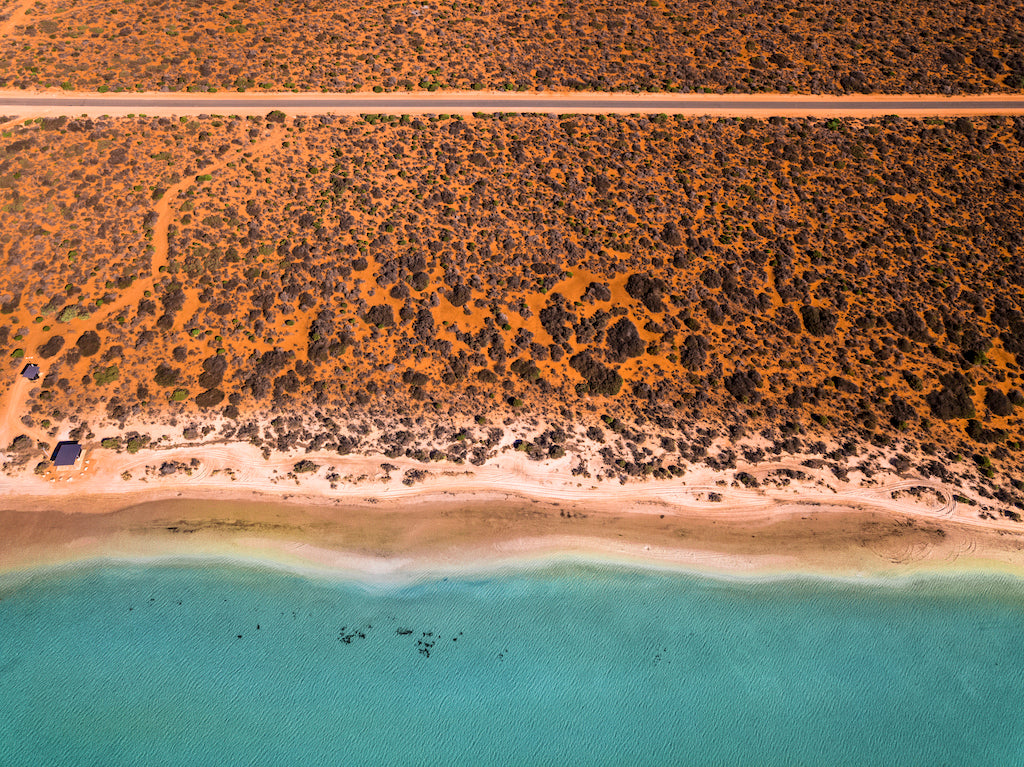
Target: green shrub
(106,375)
(135,444)
(69,313)
(22,442)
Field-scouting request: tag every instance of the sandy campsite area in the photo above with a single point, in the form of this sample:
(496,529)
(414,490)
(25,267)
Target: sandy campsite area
(364,516)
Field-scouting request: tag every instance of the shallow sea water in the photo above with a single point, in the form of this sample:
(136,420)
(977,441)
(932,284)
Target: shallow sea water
(569,663)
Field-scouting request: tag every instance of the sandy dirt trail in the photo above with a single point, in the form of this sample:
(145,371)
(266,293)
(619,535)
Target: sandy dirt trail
(14,401)
(13,406)
(165,209)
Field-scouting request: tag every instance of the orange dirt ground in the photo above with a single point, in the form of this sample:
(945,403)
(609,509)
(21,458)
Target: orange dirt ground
(893,46)
(642,294)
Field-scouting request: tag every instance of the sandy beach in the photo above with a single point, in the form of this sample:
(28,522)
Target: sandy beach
(373,522)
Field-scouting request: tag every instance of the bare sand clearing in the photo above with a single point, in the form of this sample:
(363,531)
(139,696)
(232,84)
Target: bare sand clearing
(374,524)
(40,103)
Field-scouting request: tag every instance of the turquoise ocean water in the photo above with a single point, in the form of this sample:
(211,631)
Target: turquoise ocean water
(570,663)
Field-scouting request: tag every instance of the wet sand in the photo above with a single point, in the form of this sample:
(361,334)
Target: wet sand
(458,533)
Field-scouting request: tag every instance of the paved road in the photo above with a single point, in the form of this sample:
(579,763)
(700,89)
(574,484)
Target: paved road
(178,103)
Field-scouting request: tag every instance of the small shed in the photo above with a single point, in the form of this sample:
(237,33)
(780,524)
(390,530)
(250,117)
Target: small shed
(66,454)
(31,372)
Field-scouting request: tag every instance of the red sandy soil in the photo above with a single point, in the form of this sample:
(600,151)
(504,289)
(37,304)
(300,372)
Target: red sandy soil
(634,297)
(893,46)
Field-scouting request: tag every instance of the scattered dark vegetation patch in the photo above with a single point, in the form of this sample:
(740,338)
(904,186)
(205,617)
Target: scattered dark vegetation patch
(838,289)
(743,385)
(624,341)
(52,347)
(88,343)
(599,379)
(894,47)
(210,398)
(380,315)
(166,375)
(953,400)
(817,320)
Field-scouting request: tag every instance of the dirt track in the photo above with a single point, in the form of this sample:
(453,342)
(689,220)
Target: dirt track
(465,102)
